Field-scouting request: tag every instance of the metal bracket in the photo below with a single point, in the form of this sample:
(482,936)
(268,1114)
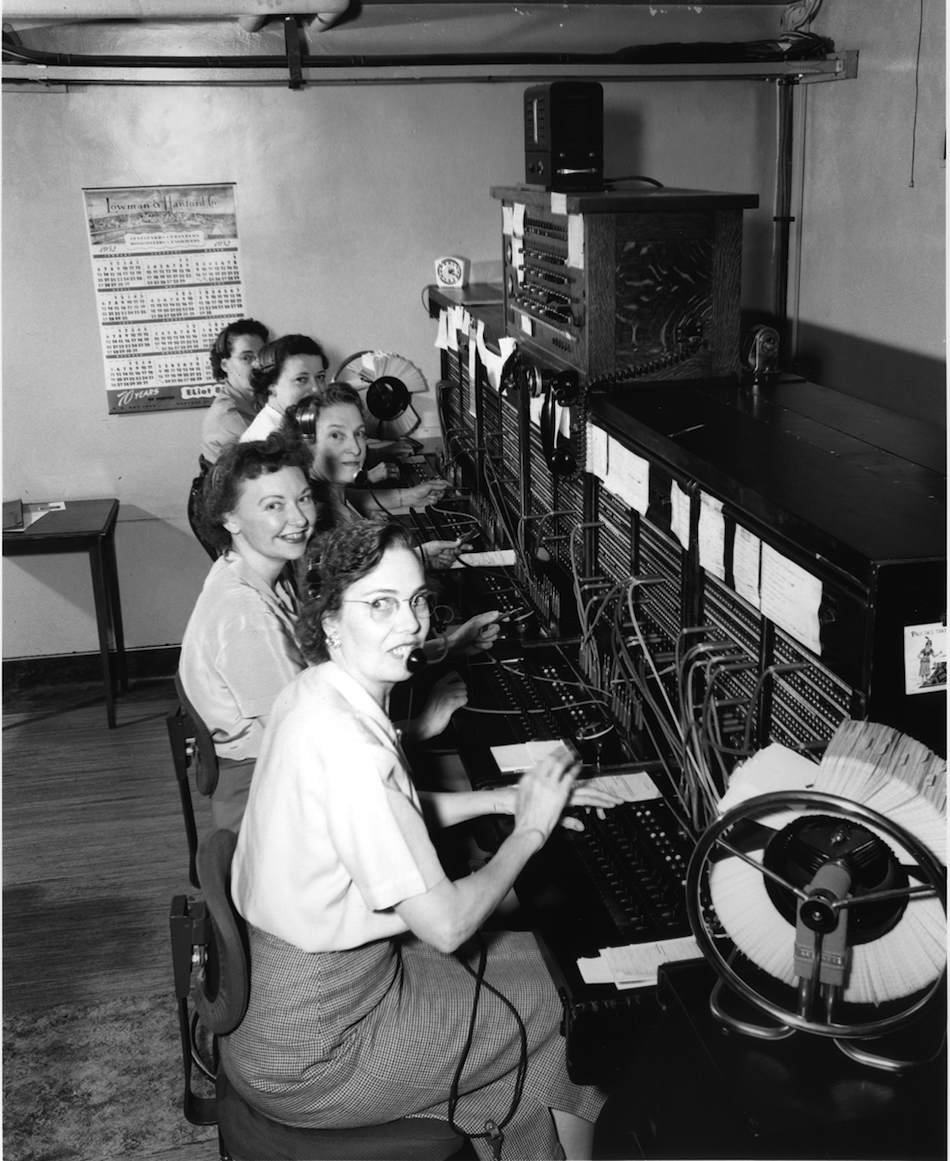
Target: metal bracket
(294,56)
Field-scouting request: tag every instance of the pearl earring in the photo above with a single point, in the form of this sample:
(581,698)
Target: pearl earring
(333,641)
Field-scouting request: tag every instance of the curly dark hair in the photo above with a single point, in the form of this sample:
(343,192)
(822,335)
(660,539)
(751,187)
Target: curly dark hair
(271,358)
(222,344)
(221,489)
(342,557)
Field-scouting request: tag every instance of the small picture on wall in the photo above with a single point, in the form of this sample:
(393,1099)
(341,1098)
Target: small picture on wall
(925,658)
(166,275)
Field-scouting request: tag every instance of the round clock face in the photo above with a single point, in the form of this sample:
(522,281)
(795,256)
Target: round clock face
(449,271)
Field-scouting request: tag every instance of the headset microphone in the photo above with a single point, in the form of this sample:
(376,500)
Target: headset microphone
(416,661)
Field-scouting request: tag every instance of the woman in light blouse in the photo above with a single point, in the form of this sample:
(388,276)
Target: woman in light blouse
(239,649)
(362,952)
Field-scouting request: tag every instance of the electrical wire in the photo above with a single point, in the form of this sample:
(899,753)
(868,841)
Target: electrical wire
(493,1129)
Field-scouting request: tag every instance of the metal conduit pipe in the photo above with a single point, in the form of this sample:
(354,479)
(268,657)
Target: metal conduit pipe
(782,218)
(253,11)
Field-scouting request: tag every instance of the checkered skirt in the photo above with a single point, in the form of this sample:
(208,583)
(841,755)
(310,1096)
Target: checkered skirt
(346,1038)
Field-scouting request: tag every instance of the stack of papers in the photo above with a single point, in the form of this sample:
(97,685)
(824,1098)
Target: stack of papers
(636,965)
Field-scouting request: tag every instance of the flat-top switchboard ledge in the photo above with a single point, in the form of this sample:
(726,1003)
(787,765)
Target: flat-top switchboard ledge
(627,201)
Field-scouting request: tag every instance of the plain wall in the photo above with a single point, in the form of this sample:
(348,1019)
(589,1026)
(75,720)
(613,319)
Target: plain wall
(345,196)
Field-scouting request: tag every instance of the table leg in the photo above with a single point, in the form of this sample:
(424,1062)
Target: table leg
(115,605)
(101,594)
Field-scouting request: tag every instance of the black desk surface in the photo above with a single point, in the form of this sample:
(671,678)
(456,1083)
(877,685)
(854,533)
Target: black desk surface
(694,1091)
(846,479)
(79,520)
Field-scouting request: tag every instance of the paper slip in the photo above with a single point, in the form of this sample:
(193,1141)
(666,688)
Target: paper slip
(522,756)
(33,512)
(636,965)
(500,558)
(637,786)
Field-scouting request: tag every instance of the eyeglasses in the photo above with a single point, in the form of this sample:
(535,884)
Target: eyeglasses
(384,608)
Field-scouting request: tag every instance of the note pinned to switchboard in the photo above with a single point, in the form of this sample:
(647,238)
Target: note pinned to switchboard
(598,458)
(791,597)
(442,334)
(746,565)
(679,519)
(712,536)
(575,241)
(628,476)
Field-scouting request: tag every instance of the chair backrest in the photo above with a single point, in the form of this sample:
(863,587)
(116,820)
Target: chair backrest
(219,991)
(180,737)
(224,981)
(206,771)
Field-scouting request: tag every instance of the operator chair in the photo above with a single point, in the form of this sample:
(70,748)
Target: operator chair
(191,745)
(209,937)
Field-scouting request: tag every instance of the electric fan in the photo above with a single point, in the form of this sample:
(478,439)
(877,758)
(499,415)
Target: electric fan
(826,907)
(386,382)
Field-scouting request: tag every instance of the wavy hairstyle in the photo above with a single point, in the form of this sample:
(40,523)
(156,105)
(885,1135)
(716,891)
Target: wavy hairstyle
(222,344)
(342,557)
(238,462)
(272,356)
(302,417)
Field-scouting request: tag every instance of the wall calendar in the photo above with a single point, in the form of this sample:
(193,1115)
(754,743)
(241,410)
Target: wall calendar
(166,273)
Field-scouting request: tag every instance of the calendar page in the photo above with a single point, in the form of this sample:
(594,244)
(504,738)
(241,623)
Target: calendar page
(167,278)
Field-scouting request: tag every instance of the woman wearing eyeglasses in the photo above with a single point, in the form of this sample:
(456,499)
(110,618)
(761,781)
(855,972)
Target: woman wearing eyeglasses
(331,422)
(284,372)
(239,649)
(361,946)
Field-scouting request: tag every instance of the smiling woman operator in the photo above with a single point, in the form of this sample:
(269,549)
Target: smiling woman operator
(232,409)
(362,950)
(239,648)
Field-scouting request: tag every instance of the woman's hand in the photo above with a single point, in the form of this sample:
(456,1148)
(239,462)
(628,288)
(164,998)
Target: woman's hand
(479,632)
(443,553)
(424,494)
(544,791)
(382,472)
(448,694)
(588,795)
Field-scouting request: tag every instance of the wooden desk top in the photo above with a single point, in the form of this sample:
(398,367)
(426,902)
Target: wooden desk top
(80,520)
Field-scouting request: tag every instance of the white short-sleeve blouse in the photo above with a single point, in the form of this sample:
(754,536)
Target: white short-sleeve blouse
(333,835)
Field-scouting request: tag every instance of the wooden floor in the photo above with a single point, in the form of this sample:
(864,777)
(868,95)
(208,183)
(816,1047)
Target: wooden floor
(94,850)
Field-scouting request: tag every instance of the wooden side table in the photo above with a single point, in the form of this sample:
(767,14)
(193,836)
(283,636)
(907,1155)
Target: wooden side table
(86,526)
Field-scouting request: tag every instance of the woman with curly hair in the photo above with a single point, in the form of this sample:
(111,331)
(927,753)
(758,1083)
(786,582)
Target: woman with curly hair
(239,648)
(363,951)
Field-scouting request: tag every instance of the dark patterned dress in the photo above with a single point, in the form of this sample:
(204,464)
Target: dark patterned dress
(352,1020)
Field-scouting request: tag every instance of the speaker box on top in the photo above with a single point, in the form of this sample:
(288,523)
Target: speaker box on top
(564,135)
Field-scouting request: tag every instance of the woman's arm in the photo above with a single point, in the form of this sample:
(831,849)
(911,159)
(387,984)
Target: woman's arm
(449,808)
(370,501)
(451,912)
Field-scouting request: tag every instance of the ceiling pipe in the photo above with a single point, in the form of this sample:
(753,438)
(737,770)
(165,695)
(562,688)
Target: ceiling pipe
(251,15)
